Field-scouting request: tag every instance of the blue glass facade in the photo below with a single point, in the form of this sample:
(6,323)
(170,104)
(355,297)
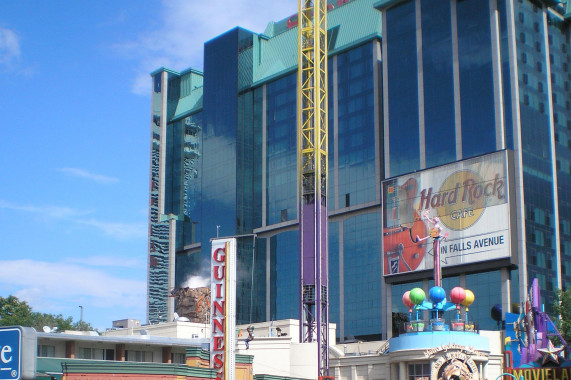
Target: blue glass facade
(356,180)
(438,83)
(281,156)
(448,81)
(403,115)
(482,77)
(476,78)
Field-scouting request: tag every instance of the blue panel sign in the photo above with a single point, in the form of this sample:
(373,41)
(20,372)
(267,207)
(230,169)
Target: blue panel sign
(10,353)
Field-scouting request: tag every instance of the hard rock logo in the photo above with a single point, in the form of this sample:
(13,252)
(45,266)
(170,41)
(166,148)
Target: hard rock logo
(463,198)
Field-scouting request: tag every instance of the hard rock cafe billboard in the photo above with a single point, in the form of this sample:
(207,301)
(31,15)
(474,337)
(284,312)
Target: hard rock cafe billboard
(471,199)
(223,307)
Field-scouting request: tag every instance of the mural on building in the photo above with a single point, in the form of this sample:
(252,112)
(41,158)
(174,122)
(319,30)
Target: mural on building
(529,348)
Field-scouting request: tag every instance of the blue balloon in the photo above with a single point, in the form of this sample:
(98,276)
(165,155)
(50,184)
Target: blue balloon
(496,312)
(436,294)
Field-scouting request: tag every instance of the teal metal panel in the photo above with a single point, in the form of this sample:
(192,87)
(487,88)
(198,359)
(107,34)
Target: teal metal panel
(189,104)
(357,21)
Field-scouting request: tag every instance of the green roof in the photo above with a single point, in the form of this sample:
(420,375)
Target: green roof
(357,21)
(48,367)
(274,53)
(272,377)
(55,367)
(198,352)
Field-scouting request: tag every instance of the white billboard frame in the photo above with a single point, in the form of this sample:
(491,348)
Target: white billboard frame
(472,200)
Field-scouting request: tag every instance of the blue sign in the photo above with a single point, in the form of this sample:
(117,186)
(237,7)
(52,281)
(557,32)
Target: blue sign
(10,353)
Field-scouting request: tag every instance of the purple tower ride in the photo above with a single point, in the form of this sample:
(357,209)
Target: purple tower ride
(312,171)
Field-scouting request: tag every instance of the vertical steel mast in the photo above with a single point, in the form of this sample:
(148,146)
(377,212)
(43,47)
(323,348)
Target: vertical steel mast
(312,169)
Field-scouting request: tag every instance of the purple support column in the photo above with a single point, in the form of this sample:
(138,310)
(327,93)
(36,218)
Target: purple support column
(437,269)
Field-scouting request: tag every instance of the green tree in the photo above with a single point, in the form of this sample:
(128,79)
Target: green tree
(399,320)
(562,313)
(14,312)
(52,321)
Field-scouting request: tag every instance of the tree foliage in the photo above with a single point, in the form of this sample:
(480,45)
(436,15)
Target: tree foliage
(562,309)
(14,312)
(399,320)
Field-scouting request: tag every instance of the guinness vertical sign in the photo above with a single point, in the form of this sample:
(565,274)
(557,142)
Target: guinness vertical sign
(223,307)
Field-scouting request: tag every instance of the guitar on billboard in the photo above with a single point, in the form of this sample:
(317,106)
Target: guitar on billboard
(402,251)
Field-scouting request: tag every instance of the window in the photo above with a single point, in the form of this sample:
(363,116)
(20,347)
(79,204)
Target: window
(524,78)
(524,57)
(520,17)
(178,358)
(536,27)
(540,86)
(85,353)
(139,356)
(418,371)
(565,227)
(539,238)
(526,99)
(522,37)
(46,351)
(539,67)
(537,47)
(541,107)
(96,353)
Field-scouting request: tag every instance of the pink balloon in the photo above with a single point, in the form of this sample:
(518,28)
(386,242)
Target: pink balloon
(406,299)
(457,295)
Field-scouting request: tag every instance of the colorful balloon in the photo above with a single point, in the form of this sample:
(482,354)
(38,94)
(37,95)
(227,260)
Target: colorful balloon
(496,312)
(437,294)
(469,298)
(417,296)
(406,299)
(457,295)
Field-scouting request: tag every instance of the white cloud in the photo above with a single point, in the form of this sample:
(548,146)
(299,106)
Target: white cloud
(118,230)
(184,27)
(51,212)
(81,173)
(42,284)
(9,47)
(116,261)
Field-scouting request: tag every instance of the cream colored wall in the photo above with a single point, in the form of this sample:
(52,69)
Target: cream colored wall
(359,365)
(183,330)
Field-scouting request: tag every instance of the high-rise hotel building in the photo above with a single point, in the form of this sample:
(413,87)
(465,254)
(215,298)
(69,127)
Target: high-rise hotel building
(431,103)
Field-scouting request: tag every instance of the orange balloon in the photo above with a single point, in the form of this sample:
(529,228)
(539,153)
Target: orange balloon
(469,298)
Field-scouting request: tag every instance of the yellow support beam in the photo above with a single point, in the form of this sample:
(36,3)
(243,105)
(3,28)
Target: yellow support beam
(312,171)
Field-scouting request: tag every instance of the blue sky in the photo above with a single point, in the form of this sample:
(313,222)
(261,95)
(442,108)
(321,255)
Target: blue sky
(75,106)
